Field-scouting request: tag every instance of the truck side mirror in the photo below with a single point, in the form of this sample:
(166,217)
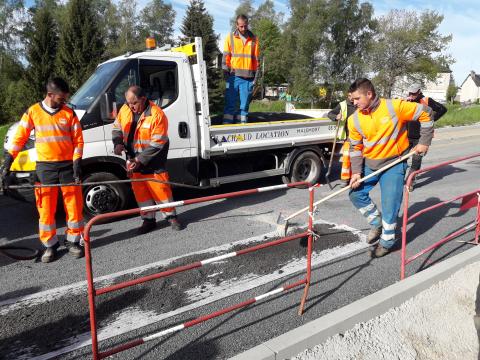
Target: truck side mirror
(108,107)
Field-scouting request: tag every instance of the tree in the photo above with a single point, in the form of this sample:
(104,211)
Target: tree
(266,11)
(452,91)
(10,28)
(42,38)
(157,19)
(304,35)
(199,23)
(350,30)
(81,44)
(244,8)
(265,24)
(109,26)
(408,44)
(128,37)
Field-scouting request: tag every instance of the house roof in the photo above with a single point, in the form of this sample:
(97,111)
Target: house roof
(475,78)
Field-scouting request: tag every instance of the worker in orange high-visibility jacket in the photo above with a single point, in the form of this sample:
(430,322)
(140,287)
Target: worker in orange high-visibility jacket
(378,136)
(240,67)
(141,131)
(59,147)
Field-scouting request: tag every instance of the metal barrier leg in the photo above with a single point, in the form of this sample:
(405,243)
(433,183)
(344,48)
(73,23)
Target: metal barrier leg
(309,251)
(91,297)
(477,229)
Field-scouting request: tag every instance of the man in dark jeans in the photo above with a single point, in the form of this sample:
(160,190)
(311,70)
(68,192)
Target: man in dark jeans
(413,127)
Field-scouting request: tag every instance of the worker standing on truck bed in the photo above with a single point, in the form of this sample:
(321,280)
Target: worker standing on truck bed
(240,68)
(341,113)
(378,136)
(413,127)
(141,130)
(59,147)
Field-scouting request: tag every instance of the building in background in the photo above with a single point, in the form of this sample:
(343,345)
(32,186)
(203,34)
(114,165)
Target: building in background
(437,89)
(470,88)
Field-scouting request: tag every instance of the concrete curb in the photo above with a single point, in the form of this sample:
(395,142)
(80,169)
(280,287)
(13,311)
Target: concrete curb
(317,331)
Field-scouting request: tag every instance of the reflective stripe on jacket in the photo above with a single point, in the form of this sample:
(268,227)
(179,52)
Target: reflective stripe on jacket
(58,135)
(379,136)
(239,58)
(150,138)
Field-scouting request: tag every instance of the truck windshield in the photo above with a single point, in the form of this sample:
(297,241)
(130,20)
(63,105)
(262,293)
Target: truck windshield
(95,84)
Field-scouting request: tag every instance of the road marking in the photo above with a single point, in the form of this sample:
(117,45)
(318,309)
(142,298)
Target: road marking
(133,318)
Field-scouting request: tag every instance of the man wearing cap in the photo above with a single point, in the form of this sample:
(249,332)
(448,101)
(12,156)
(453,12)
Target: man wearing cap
(413,127)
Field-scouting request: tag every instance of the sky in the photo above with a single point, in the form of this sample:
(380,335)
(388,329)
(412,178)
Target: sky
(461,20)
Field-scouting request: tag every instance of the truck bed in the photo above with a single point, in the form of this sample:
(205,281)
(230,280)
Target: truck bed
(270,130)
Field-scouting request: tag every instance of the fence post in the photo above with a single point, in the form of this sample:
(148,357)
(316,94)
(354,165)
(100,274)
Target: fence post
(311,191)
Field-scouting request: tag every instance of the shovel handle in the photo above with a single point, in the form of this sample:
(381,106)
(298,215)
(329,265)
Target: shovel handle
(399,160)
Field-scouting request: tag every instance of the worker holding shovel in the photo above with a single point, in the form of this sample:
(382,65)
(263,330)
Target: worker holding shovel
(378,136)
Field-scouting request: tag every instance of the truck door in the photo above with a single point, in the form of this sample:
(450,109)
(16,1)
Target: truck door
(160,79)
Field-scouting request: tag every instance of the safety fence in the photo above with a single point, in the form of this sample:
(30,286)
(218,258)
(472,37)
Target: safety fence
(468,200)
(94,292)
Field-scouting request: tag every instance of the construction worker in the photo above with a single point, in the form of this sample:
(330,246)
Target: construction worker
(240,65)
(413,127)
(59,147)
(340,114)
(141,131)
(377,134)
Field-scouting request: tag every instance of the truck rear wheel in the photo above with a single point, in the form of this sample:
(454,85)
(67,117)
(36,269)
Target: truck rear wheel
(306,167)
(99,199)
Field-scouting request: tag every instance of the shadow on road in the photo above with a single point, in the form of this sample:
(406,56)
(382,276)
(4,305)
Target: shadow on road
(436,175)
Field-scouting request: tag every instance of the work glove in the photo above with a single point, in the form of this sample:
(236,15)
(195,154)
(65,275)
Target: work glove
(226,75)
(132,165)
(77,171)
(118,149)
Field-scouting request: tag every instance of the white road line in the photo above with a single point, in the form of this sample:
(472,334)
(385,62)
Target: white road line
(133,319)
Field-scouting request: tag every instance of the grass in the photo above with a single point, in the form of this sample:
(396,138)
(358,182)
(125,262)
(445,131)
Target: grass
(458,116)
(3,132)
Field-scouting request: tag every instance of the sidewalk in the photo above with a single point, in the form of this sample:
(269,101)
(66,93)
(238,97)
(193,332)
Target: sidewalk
(436,324)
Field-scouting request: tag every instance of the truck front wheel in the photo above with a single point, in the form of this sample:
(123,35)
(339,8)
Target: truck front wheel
(103,198)
(306,167)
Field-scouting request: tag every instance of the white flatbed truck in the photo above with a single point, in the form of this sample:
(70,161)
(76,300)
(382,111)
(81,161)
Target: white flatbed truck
(202,151)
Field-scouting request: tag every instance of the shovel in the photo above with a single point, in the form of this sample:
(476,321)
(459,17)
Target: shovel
(327,175)
(282,223)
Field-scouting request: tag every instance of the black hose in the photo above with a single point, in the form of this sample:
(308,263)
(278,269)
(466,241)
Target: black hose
(4,249)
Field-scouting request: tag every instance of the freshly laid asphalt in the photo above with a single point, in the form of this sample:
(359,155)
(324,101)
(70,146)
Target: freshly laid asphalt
(35,326)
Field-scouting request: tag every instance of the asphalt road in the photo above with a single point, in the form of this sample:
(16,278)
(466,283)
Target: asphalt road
(44,310)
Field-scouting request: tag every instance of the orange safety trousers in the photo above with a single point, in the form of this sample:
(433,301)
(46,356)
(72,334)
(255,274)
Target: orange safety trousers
(346,172)
(148,193)
(47,205)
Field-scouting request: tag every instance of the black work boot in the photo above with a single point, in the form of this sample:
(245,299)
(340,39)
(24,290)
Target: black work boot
(74,249)
(147,226)
(174,223)
(49,254)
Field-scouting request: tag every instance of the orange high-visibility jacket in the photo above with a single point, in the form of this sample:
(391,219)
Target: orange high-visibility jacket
(58,136)
(239,58)
(150,138)
(379,135)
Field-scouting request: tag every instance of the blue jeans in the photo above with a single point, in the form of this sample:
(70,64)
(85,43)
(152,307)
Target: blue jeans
(237,87)
(391,188)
